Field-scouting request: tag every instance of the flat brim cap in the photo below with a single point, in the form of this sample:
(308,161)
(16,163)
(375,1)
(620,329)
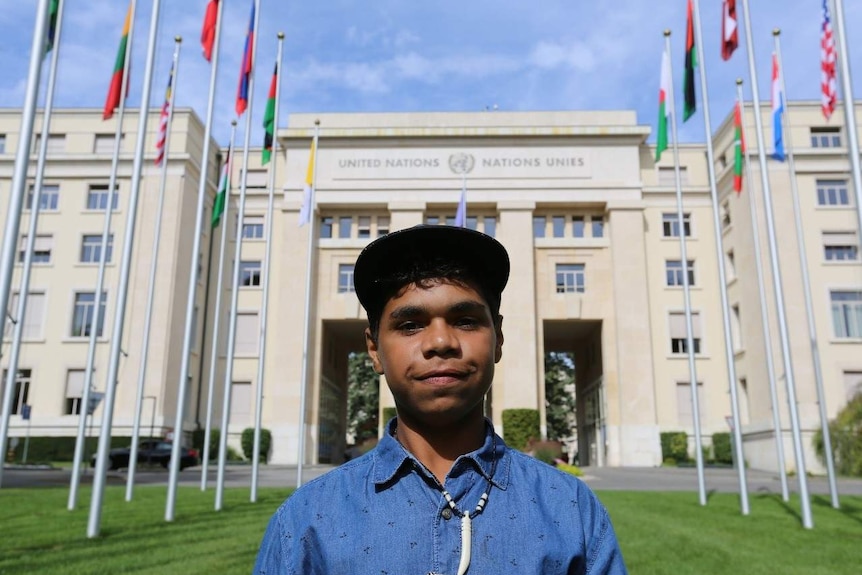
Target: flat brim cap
(484,257)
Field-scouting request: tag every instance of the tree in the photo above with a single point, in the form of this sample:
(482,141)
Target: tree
(560,395)
(363,395)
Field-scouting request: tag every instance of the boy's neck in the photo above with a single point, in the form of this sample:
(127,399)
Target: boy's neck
(437,448)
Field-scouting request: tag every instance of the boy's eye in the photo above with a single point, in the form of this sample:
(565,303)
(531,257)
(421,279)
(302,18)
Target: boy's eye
(467,322)
(408,326)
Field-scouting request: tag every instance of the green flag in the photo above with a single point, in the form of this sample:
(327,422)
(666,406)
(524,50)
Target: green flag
(223,190)
(269,119)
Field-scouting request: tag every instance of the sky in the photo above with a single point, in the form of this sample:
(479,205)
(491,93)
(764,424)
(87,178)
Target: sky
(419,56)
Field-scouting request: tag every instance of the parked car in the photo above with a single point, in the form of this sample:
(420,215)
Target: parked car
(151,451)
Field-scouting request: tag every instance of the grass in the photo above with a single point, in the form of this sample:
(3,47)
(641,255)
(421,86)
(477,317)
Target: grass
(660,533)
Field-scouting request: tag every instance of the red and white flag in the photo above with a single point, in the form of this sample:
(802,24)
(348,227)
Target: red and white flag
(828,57)
(729,29)
(163,122)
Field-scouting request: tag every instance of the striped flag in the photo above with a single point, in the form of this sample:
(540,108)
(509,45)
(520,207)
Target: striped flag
(223,191)
(208,31)
(114,92)
(777,110)
(163,121)
(729,29)
(828,83)
(738,149)
(53,11)
(690,98)
(664,106)
(306,208)
(246,69)
(269,119)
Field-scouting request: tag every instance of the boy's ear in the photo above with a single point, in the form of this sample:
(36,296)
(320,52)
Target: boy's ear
(498,348)
(371,346)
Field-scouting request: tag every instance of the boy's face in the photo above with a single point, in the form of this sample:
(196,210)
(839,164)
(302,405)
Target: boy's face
(437,346)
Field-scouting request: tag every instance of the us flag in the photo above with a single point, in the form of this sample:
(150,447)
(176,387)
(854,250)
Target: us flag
(163,121)
(827,65)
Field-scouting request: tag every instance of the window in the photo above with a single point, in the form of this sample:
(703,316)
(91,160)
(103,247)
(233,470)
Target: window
(104,143)
(667,176)
(249,274)
(683,404)
(345,278)
(252,227)
(56,143)
(598,226)
(450,220)
(678,332)
(344,225)
(48,201)
(558,225)
(240,405)
(736,328)
(82,318)
(97,198)
(41,249)
(744,409)
(670,225)
(33,316)
(570,278)
(22,389)
(256,180)
(91,248)
(472,222)
(673,273)
(832,193)
(730,266)
(538,226)
(247,333)
(74,391)
(489,225)
(326,227)
(432,220)
(847,313)
(725,215)
(363,228)
(840,246)
(382,225)
(578,226)
(852,384)
(825,137)
(2,143)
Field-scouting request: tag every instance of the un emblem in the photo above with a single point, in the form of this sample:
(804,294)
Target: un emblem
(461,163)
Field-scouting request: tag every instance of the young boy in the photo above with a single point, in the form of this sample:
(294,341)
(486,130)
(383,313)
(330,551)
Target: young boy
(441,493)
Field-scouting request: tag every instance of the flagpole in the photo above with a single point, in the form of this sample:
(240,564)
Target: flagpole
(306,337)
(182,384)
(764,311)
(806,283)
(722,277)
(123,287)
(231,338)
(151,290)
(100,277)
(258,409)
(689,328)
(777,284)
(23,290)
(849,107)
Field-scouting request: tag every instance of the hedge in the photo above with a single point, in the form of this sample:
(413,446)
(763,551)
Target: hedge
(388,413)
(674,446)
(722,448)
(248,443)
(845,433)
(519,426)
(47,449)
(198,442)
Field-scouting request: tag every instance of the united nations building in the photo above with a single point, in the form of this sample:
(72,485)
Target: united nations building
(590,223)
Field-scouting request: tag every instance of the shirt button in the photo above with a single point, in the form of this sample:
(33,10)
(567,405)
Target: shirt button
(446,513)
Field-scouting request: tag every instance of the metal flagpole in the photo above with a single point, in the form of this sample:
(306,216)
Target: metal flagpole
(16,196)
(842,46)
(231,337)
(306,337)
(123,286)
(777,284)
(722,278)
(217,323)
(258,408)
(151,290)
(764,312)
(806,285)
(98,320)
(695,402)
(182,383)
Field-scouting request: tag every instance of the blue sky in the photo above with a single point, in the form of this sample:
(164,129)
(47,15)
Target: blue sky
(388,55)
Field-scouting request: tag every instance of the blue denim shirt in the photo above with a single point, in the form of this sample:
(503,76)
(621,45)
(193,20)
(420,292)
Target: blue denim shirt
(384,513)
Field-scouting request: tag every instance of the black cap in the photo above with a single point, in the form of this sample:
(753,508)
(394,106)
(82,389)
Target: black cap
(482,255)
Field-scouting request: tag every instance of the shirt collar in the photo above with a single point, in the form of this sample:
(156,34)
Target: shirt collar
(390,458)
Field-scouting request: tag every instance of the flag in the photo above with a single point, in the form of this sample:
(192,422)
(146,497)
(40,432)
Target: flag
(53,11)
(306,209)
(738,149)
(269,118)
(245,71)
(208,31)
(827,64)
(461,214)
(163,121)
(223,191)
(664,106)
(777,110)
(729,29)
(690,105)
(114,92)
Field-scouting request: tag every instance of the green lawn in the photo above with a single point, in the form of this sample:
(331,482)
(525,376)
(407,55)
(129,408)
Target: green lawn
(659,533)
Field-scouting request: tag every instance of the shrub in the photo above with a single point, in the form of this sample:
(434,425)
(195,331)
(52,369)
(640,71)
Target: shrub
(248,443)
(519,426)
(845,432)
(721,446)
(388,413)
(198,442)
(674,446)
(573,469)
(48,449)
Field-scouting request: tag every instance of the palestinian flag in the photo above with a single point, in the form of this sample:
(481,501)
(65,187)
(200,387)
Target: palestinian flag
(690,105)
(53,11)
(114,92)
(223,191)
(738,149)
(269,118)
(664,106)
